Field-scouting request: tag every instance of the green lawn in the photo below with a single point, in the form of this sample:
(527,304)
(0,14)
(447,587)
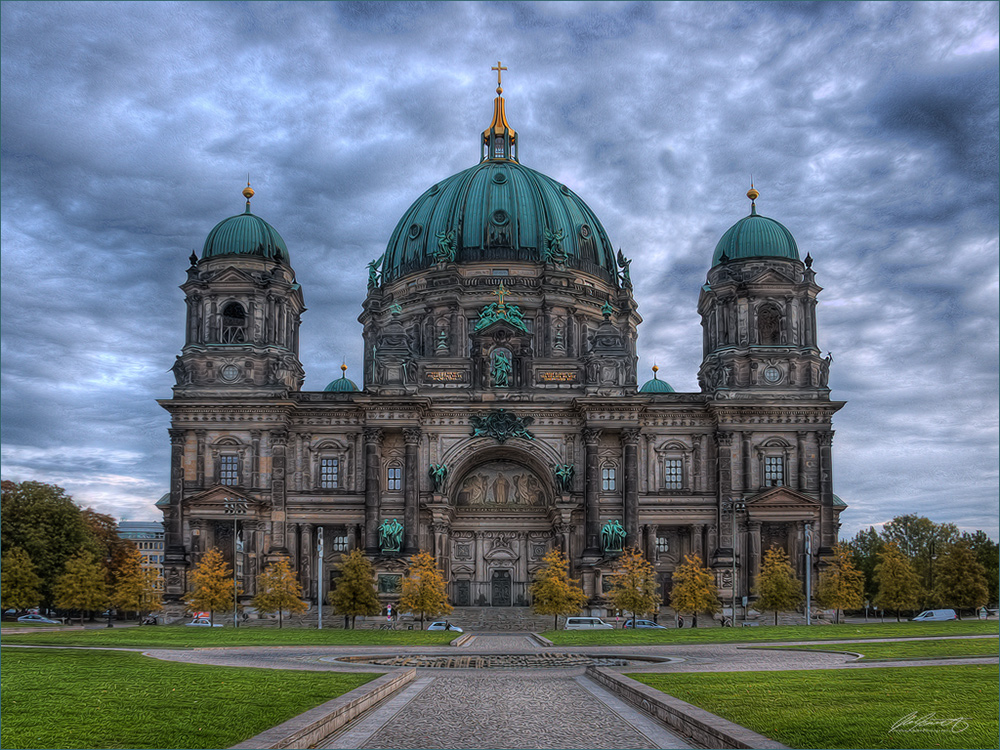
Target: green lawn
(180,636)
(766,633)
(916,649)
(54,698)
(851,708)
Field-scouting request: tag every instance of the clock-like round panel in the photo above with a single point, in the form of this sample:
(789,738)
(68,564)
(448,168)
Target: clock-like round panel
(231,373)
(772,374)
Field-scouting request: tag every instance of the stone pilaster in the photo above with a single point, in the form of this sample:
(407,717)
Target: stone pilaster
(411,487)
(630,451)
(278,440)
(592,487)
(373,488)
(828,527)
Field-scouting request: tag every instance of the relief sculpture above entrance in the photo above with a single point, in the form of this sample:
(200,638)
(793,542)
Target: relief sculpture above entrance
(501,484)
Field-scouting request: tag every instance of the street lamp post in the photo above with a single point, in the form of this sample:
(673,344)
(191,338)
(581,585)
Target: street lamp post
(932,559)
(108,560)
(319,576)
(235,508)
(809,568)
(733,506)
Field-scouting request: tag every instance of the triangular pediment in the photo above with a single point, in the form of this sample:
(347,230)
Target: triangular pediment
(232,275)
(780,497)
(215,498)
(771,276)
(500,324)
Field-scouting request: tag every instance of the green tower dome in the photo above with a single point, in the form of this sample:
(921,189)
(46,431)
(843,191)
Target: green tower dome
(499,210)
(341,384)
(245,234)
(656,385)
(756,236)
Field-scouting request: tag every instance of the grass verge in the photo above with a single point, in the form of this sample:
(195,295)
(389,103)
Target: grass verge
(889,707)
(766,633)
(917,649)
(80,699)
(179,636)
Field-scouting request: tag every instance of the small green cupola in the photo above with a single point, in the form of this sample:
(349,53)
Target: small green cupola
(499,141)
(245,235)
(656,385)
(755,236)
(341,384)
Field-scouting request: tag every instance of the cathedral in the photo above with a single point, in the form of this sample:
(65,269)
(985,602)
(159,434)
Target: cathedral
(499,414)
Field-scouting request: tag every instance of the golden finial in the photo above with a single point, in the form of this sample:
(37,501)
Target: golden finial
(751,193)
(248,193)
(499,69)
(655,370)
(343,369)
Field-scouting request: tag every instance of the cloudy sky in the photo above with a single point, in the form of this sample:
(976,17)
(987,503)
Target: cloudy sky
(871,131)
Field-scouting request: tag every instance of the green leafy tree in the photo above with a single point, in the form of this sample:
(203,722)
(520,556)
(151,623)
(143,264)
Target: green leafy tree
(134,590)
(777,587)
(20,586)
(633,588)
(897,581)
(987,553)
(277,590)
(82,585)
(212,584)
(424,589)
(44,521)
(961,580)
(553,592)
(109,546)
(920,540)
(694,588)
(841,585)
(865,548)
(354,593)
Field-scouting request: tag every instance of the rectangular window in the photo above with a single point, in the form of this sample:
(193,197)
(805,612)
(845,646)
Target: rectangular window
(608,478)
(395,478)
(673,473)
(662,544)
(774,471)
(329,473)
(229,470)
(340,544)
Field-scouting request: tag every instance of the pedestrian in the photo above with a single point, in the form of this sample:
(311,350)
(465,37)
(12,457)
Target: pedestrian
(680,621)
(447,625)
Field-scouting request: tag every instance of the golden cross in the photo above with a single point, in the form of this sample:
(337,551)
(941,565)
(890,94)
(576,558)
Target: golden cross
(499,68)
(500,292)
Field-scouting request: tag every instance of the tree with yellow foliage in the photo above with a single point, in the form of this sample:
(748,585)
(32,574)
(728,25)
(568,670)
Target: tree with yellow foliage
(777,588)
(277,590)
(841,585)
(212,584)
(553,592)
(694,588)
(633,588)
(424,589)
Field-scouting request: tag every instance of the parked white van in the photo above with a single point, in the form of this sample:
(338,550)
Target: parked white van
(587,623)
(935,615)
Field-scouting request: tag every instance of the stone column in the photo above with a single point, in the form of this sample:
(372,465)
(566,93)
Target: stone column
(255,459)
(277,439)
(755,552)
(630,449)
(174,523)
(411,486)
(724,441)
(747,481)
(592,489)
(441,546)
(828,529)
(373,489)
(801,437)
(200,458)
(697,541)
(306,560)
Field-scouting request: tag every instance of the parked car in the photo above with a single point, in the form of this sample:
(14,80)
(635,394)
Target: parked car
(148,620)
(587,623)
(644,624)
(935,615)
(444,625)
(39,619)
(203,622)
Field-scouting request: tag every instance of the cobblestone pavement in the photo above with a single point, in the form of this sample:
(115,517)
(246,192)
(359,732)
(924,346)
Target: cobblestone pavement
(508,710)
(502,643)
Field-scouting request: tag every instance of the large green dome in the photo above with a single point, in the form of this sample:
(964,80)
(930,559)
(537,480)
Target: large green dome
(756,236)
(245,234)
(499,210)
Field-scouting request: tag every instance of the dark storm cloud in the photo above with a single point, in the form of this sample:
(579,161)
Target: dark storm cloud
(127,130)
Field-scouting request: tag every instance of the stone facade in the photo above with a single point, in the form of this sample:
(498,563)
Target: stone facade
(499,417)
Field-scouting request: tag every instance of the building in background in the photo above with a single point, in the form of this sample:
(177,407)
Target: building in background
(500,414)
(148,538)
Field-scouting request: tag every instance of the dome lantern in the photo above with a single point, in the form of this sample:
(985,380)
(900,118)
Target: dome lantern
(499,140)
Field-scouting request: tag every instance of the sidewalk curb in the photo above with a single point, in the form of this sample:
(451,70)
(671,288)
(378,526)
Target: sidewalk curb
(705,728)
(307,729)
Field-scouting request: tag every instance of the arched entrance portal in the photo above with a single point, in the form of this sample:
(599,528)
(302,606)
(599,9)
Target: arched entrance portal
(502,527)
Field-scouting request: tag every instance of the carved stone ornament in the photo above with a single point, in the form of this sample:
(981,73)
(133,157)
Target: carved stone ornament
(501,425)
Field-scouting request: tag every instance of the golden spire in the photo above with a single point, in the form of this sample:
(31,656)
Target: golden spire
(248,192)
(655,370)
(752,195)
(499,139)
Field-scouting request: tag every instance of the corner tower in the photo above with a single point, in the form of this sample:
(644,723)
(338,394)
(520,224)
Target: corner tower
(758,313)
(243,313)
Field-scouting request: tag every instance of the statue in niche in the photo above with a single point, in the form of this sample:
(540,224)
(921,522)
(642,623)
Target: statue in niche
(501,488)
(564,477)
(390,536)
(501,370)
(438,473)
(612,536)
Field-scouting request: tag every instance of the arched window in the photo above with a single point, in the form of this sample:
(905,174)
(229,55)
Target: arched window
(234,324)
(768,325)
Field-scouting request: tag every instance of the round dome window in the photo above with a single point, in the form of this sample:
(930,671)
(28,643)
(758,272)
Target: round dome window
(500,177)
(414,231)
(230,373)
(585,231)
(500,218)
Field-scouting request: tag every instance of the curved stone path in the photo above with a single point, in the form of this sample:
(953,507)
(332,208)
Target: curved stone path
(554,707)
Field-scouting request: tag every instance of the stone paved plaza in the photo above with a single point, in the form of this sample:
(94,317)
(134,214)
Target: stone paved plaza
(553,707)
